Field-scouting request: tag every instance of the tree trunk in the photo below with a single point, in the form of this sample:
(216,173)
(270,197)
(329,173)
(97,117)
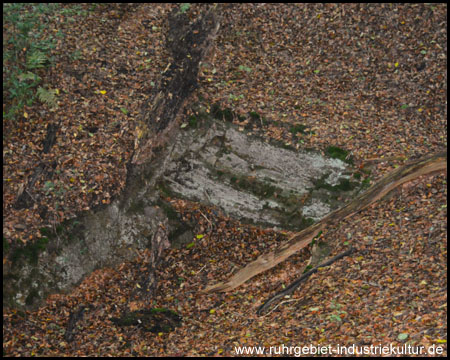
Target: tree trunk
(109,234)
(188,44)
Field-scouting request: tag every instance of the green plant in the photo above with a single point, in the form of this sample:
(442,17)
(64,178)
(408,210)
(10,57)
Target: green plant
(184,7)
(336,316)
(337,153)
(47,96)
(26,50)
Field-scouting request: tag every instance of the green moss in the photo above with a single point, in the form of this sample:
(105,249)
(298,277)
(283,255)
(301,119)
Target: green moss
(42,243)
(218,113)
(290,200)
(60,228)
(154,320)
(193,122)
(366,183)
(316,237)
(227,115)
(307,222)
(250,184)
(254,115)
(168,209)
(344,185)
(30,251)
(215,111)
(128,319)
(45,231)
(299,128)
(163,310)
(337,153)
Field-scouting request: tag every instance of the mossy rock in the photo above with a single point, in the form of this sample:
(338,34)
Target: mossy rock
(29,251)
(154,320)
(335,152)
(344,185)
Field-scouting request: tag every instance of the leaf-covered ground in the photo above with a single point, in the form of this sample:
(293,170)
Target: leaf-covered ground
(370,79)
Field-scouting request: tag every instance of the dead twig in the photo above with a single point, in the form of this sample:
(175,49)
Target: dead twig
(290,289)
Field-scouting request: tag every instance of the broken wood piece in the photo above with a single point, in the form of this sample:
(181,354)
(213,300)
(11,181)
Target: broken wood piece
(423,166)
(290,289)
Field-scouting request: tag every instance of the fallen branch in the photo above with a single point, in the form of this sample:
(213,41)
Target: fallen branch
(25,198)
(423,166)
(290,289)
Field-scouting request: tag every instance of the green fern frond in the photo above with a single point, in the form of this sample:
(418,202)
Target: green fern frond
(29,76)
(36,60)
(47,96)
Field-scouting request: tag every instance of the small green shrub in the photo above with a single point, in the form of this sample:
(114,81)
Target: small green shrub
(26,50)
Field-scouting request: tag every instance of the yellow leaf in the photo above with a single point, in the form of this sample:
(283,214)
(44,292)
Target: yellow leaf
(396,64)
(103,92)
(441,341)
(25,115)
(212,311)
(140,133)
(200,236)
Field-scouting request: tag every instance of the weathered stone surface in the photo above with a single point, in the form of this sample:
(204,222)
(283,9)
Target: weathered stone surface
(216,164)
(252,180)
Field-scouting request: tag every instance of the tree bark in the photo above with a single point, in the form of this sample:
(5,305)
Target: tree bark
(188,44)
(423,166)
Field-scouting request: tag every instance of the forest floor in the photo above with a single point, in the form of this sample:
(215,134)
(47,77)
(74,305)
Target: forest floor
(370,79)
